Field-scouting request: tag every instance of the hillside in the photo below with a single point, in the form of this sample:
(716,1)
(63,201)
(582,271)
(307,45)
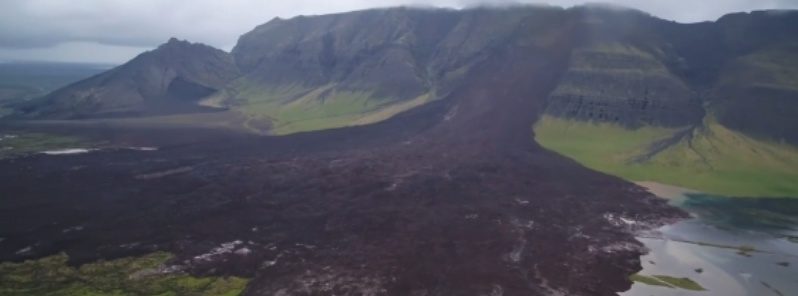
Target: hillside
(310,73)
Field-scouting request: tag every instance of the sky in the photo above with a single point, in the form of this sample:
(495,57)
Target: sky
(114,31)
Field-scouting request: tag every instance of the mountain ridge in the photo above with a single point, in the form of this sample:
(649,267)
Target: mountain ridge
(316,72)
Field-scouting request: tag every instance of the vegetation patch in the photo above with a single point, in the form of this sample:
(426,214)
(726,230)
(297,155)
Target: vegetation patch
(18,144)
(668,281)
(713,159)
(146,275)
(648,280)
(297,108)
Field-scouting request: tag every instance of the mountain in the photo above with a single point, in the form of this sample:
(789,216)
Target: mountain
(624,67)
(169,79)
(311,73)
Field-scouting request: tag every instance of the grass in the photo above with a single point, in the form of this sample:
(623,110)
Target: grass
(667,281)
(683,283)
(126,276)
(18,144)
(648,280)
(717,160)
(299,108)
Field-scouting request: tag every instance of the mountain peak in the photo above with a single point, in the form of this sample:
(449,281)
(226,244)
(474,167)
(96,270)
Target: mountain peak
(174,42)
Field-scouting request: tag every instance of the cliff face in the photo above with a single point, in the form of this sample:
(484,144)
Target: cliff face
(620,83)
(639,71)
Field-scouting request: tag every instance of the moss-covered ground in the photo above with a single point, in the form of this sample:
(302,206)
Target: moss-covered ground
(51,276)
(713,160)
(17,144)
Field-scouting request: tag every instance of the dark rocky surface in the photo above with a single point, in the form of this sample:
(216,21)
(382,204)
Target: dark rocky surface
(452,198)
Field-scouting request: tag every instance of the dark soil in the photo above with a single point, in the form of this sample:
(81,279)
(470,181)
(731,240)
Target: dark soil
(453,198)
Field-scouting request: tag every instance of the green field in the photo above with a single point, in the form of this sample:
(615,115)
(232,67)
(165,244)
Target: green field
(667,281)
(18,144)
(144,275)
(297,108)
(717,160)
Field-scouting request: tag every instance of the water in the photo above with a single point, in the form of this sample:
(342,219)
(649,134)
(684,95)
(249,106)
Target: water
(732,246)
(69,151)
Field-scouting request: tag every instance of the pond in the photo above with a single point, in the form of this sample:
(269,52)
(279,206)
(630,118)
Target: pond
(731,246)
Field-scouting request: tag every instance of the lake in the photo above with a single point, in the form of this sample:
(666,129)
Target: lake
(731,246)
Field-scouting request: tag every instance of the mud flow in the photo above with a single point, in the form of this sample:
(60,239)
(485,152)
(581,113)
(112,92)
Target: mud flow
(451,198)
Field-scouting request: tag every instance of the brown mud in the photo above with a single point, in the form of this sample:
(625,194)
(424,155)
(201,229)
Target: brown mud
(451,198)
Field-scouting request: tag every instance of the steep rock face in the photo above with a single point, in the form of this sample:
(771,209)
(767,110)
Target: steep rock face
(620,83)
(164,80)
(756,91)
(621,71)
(636,70)
(758,94)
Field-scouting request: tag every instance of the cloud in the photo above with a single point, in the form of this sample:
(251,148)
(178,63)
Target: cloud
(43,24)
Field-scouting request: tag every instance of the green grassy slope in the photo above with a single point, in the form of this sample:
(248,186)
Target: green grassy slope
(667,281)
(298,108)
(715,159)
(127,276)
